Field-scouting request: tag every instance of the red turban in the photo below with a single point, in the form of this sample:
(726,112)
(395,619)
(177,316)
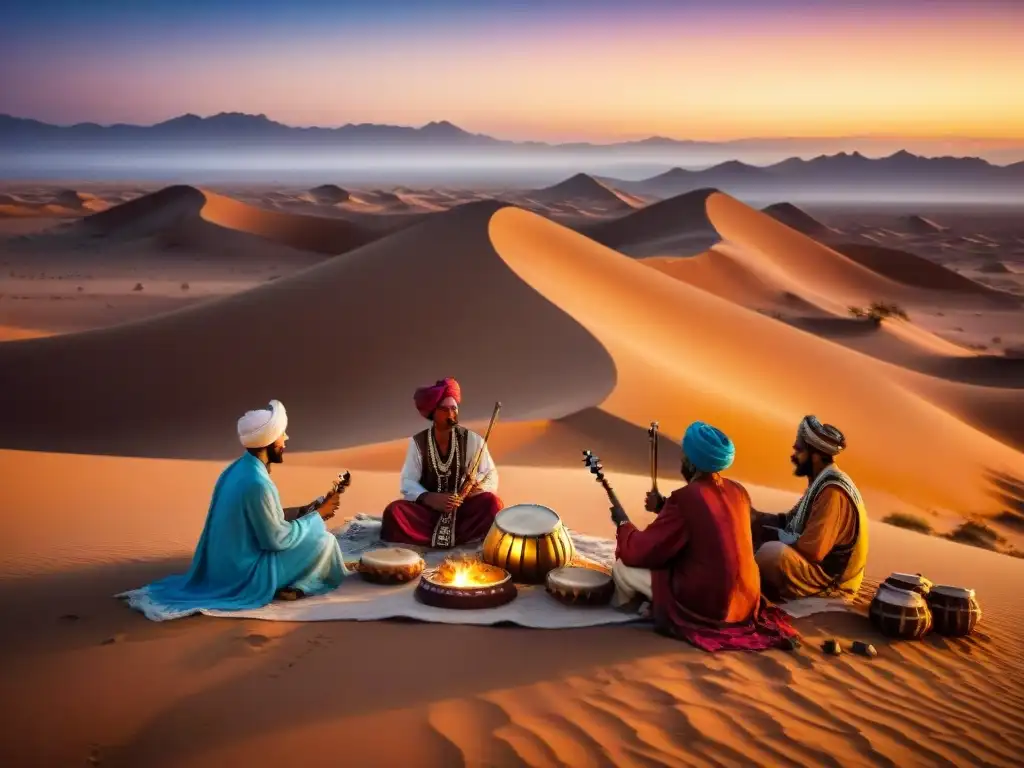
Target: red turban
(428,398)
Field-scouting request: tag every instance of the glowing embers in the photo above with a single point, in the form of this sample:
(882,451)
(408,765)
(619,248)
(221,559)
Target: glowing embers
(465,583)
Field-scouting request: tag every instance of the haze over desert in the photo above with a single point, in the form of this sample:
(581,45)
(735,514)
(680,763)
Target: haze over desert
(615,224)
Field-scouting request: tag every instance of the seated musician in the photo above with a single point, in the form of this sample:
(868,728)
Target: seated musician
(251,549)
(431,512)
(820,547)
(695,561)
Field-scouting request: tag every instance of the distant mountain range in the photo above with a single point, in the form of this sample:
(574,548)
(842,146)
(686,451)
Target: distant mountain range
(901,169)
(238,127)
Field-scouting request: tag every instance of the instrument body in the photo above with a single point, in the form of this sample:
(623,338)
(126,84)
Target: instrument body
(528,541)
(391,565)
(466,597)
(574,585)
(900,613)
(955,610)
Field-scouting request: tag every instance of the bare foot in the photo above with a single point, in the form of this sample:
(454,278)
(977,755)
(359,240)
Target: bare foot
(289,593)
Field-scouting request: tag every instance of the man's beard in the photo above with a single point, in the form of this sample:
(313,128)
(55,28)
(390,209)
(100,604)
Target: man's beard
(451,421)
(275,455)
(802,469)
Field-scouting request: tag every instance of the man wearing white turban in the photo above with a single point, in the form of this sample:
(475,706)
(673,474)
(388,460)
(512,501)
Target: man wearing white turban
(820,547)
(251,548)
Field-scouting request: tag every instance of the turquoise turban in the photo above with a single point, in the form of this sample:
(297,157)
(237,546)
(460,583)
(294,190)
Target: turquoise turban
(708,448)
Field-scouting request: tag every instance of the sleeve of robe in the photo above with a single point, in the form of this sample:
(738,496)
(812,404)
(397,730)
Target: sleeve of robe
(830,522)
(412,471)
(655,545)
(486,472)
(273,532)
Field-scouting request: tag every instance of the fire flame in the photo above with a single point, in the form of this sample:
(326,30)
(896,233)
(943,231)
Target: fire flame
(465,572)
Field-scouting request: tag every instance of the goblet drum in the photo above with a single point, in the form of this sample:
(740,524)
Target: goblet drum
(573,585)
(900,613)
(528,541)
(955,610)
(390,565)
(915,582)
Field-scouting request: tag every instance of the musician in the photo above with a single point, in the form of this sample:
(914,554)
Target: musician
(431,512)
(820,547)
(251,549)
(695,561)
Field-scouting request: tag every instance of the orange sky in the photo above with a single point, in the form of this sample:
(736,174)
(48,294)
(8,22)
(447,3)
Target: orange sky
(738,71)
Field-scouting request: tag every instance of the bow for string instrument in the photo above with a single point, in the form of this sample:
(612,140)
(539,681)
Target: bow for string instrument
(652,435)
(593,463)
(471,471)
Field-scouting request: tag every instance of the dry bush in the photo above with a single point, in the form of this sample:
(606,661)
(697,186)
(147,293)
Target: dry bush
(908,521)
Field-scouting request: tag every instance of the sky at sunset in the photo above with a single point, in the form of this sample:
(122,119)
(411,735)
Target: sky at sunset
(524,69)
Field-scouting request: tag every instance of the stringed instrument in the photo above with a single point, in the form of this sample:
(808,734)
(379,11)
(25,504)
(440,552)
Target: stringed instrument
(343,481)
(593,463)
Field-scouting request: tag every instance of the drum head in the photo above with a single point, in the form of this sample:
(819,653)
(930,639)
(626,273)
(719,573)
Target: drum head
(390,556)
(903,597)
(949,591)
(909,578)
(527,520)
(576,577)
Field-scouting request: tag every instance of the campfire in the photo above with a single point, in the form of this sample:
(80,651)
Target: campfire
(465,582)
(467,572)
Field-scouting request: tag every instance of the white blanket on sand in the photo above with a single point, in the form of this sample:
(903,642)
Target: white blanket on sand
(359,600)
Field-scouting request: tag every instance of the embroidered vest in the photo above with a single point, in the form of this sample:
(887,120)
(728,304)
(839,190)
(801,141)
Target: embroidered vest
(431,477)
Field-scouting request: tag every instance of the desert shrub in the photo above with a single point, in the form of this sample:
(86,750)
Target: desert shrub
(878,311)
(976,534)
(997,340)
(1012,552)
(908,521)
(184,286)
(138,287)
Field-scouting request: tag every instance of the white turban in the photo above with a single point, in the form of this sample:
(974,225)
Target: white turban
(258,429)
(822,437)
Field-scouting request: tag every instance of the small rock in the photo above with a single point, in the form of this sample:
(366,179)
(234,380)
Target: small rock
(119,637)
(864,649)
(832,647)
(790,643)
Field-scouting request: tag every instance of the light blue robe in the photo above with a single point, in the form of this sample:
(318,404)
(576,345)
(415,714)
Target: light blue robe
(247,551)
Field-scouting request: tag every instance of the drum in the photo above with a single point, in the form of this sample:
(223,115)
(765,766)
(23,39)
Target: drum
(900,613)
(573,585)
(955,610)
(915,582)
(528,541)
(390,565)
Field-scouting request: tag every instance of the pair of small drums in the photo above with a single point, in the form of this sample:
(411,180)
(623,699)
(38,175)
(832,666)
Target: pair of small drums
(908,606)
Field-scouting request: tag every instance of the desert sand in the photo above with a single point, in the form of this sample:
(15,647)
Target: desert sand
(587,318)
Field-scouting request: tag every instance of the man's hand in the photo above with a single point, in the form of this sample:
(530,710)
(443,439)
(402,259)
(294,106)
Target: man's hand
(330,506)
(439,502)
(619,515)
(654,501)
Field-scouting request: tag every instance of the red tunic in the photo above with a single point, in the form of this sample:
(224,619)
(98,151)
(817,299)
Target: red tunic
(705,582)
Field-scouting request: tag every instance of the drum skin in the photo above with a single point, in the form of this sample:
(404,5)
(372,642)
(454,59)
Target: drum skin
(528,558)
(915,582)
(955,610)
(561,586)
(376,566)
(900,613)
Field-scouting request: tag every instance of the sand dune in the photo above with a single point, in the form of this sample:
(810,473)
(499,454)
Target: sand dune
(920,225)
(583,189)
(676,226)
(315,321)
(328,194)
(797,219)
(179,206)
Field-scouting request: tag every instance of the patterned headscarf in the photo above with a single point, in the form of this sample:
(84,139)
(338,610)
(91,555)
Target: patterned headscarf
(821,437)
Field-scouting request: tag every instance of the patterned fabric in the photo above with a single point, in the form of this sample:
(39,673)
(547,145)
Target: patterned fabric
(821,437)
(831,475)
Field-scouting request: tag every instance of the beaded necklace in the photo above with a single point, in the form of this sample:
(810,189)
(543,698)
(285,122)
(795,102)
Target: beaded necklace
(443,470)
